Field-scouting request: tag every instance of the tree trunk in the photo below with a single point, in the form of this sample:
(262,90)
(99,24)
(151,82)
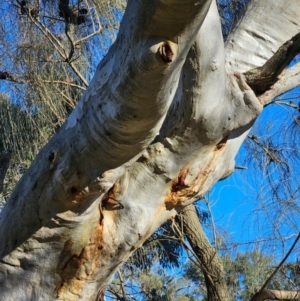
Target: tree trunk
(159,124)
(210,262)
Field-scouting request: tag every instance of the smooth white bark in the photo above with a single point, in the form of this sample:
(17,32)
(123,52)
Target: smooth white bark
(91,197)
(265,26)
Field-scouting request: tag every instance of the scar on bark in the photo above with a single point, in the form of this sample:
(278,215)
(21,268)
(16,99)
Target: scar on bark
(260,79)
(109,202)
(179,184)
(222,143)
(179,190)
(166,52)
(53,158)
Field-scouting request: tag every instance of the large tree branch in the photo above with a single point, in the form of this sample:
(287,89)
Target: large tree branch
(268,294)
(268,56)
(72,240)
(265,26)
(91,198)
(288,80)
(260,79)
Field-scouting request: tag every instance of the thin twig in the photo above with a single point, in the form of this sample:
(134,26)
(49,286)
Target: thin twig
(64,83)
(212,222)
(280,264)
(61,49)
(122,285)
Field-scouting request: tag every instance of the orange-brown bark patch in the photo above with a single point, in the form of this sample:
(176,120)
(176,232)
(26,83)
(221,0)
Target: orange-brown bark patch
(77,266)
(182,192)
(179,183)
(178,190)
(222,143)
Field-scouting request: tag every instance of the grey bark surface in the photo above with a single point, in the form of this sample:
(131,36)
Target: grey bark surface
(159,124)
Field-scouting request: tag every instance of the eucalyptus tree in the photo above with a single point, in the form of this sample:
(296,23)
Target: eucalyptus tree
(159,124)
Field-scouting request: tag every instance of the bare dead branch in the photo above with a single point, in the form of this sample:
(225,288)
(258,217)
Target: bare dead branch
(264,293)
(122,285)
(88,36)
(71,42)
(262,78)
(64,83)
(290,104)
(289,79)
(58,46)
(268,151)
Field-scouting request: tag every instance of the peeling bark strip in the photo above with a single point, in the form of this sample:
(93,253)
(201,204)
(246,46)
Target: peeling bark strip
(163,78)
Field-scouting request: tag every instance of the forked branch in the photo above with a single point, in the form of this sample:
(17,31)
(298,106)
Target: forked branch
(264,293)
(262,78)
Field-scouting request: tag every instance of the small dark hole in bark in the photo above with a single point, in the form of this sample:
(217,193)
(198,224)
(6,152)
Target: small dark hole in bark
(134,116)
(34,186)
(100,247)
(51,157)
(73,190)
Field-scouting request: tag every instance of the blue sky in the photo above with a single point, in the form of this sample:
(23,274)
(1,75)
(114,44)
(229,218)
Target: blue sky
(237,202)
